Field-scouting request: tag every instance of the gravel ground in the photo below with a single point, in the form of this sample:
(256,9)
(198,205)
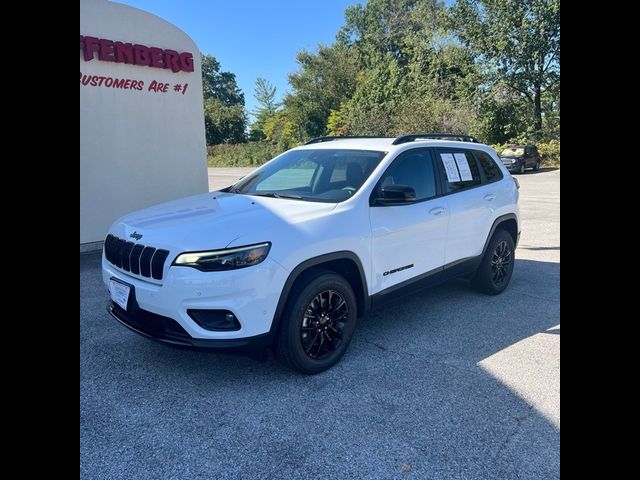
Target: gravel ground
(448,384)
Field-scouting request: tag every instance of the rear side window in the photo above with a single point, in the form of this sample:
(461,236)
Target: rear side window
(460,170)
(489,169)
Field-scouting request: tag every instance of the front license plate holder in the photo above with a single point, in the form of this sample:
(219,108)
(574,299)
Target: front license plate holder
(120,292)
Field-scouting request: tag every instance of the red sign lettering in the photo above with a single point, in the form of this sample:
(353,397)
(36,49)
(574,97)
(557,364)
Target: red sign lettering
(130,84)
(135,54)
(105,53)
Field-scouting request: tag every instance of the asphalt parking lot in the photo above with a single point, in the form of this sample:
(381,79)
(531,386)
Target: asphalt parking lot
(449,384)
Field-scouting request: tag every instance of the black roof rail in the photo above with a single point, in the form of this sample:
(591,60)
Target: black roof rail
(328,139)
(433,136)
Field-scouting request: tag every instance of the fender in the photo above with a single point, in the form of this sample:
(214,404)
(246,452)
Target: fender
(312,262)
(496,223)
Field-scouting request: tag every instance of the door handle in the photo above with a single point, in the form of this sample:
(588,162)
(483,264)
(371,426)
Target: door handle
(489,197)
(437,210)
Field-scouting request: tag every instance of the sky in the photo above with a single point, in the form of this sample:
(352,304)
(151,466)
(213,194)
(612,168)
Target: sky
(253,38)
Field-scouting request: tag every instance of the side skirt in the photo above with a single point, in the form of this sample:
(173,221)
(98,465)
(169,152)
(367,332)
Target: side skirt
(459,268)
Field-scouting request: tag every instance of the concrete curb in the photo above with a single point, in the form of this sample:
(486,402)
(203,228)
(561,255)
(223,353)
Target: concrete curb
(91,247)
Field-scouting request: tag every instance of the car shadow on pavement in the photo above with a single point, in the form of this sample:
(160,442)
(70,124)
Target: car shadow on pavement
(542,170)
(420,390)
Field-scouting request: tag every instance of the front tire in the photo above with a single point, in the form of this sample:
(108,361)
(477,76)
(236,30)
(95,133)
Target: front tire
(537,166)
(521,169)
(318,322)
(495,270)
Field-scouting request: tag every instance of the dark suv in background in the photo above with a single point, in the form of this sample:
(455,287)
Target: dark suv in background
(519,157)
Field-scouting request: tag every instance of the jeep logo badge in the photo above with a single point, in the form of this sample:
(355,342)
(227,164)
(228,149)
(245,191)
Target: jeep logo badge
(135,235)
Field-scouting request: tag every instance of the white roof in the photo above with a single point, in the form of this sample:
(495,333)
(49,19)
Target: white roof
(385,144)
(354,143)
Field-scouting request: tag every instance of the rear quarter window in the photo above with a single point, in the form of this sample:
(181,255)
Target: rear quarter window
(489,170)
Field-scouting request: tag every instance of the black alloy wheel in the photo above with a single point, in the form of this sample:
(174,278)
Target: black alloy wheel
(496,268)
(323,324)
(501,263)
(318,322)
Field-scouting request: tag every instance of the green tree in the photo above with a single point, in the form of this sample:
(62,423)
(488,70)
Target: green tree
(337,123)
(502,115)
(518,42)
(219,85)
(281,131)
(224,115)
(265,94)
(223,123)
(383,28)
(324,80)
(413,75)
(489,68)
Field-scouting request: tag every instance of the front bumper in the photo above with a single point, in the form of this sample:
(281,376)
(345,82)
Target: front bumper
(512,167)
(168,331)
(251,294)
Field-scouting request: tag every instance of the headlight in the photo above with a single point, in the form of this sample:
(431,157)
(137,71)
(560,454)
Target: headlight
(228,259)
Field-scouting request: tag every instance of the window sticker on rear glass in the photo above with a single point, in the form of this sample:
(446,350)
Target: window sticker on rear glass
(463,166)
(450,167)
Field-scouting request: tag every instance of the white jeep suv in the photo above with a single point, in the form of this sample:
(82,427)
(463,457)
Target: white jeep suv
(294,253)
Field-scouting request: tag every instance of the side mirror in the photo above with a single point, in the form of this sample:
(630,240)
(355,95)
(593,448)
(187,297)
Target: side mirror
(396,195)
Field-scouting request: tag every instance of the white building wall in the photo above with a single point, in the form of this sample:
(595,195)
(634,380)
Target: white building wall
(137,147)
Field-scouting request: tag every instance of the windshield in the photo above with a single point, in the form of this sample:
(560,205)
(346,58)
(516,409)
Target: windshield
(512,152)
(323,175)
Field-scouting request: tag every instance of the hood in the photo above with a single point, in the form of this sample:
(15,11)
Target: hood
(213,220)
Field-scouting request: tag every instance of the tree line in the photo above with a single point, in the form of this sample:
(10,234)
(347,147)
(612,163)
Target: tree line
(489,68)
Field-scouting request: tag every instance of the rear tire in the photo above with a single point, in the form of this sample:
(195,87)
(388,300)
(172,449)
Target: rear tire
(318,322)
(495,270)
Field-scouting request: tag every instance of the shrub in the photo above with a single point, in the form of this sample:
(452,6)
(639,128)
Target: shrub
(250,154)
(550,153)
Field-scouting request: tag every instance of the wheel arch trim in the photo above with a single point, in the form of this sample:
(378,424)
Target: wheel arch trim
(314,262)
(497,222)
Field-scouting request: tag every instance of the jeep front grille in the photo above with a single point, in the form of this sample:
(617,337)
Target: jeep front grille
(134,257)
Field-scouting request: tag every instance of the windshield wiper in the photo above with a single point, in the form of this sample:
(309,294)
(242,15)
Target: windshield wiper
(277,195)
